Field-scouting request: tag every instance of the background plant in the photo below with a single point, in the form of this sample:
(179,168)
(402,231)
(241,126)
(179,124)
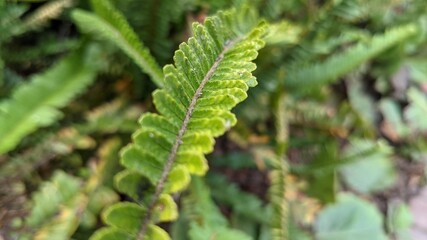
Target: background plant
(336,121)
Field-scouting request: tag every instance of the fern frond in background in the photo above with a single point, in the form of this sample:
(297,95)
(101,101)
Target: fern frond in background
(205,219)
(35,104)
(66,202)
(110,24)
(60,191)
(153,21)
(278,174)
(211,75)
(45,13)
(330,70)
(12,26)
(339,106)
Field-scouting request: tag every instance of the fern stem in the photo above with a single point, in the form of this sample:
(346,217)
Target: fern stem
(277,190)
(178,141)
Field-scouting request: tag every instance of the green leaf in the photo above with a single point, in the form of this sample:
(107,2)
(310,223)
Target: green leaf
(109,233)
(111,25)
(51,195)
(211,74)
(242,203)
(155,232)
(416,111)
(418,67)
(351,218)
(306,78)
(361,102)
(399,220)
(56,206)
(324,181)
(133,184)
(36,103)
(393,116)
(178,179)
(167,210)
(125,216)
(206,221)
(368,173)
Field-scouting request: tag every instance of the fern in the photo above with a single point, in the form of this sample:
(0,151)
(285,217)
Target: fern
(64,203)
(11,25)
(35,104)
(112,25)
(242,203)
(9,20)
(152,20)
(206,221)
(278,175)
(212,73)
(44,13)
(341,64)
(60,191)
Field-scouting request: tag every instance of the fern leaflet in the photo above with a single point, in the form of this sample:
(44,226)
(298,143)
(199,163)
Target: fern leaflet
(206,220)
(212,73)
(341,64)
(35,104)
(280,206)
(112,25)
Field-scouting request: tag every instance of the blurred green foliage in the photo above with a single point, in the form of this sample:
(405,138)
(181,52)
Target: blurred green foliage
(321,148)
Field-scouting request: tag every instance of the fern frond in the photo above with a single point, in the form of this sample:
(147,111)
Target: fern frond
(152,21)
(111,25)
(63,203)
(10,24)
(206,220)
(59,191)
(277,190)
(45,13)
(280,205)
(212,73)
(242,203)
(341,64)
(35,104)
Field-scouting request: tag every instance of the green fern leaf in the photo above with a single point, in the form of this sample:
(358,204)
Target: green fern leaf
(277,190)
(110,24)
(45,217)
(206,220)
(35,104)
(341,64)
(152,21)
(45,13)
(212,73)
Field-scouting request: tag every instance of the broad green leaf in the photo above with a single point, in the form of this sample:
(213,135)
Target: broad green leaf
(416,111)
(368,172)
(399,220)
(418,67)
(351,218)
(393,116)
(200,233)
